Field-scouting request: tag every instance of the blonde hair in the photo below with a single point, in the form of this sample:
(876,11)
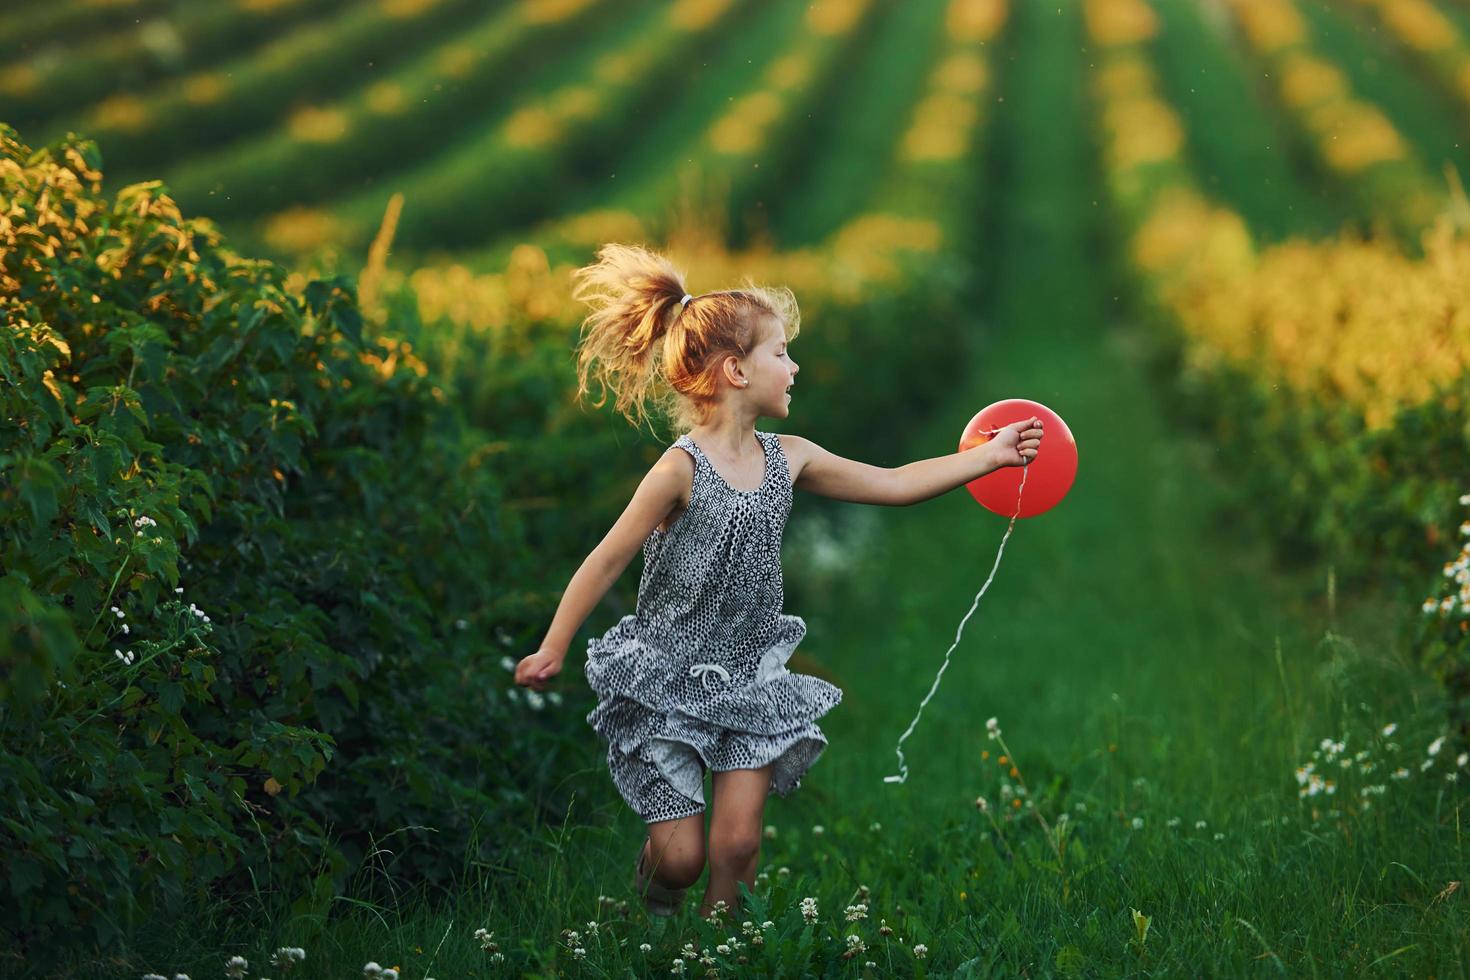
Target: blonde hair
(640,344)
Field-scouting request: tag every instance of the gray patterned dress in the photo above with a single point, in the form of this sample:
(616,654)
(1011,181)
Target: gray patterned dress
(695,678)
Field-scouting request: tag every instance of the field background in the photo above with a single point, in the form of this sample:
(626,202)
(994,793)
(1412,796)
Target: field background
(1226,240)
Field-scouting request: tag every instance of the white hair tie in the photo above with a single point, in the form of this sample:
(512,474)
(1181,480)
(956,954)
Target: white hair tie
(685,301)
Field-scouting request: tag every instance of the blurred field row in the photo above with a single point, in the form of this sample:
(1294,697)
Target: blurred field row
(293,122)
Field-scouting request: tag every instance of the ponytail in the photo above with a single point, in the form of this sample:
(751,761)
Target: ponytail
(646,343)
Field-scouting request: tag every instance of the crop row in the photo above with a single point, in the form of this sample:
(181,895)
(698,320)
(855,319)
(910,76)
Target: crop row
(64,76)
(1431,38)
(928,176)
(32,25)
(1351,137)
(700,147)
(146,132)
(381,130)
(550,142)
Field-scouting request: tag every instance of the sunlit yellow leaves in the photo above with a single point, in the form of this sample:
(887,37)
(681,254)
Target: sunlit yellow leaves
(407,9)
(301,229)
(386,98)
(545,122)
(964,73)
(18,79)
(790,72)
(742,129)
(1418,24)
(1270,24)
(1306,80)
(1186,233)
(621,67)
(826,18)
(696,15)
(318,124)
(1356,135)
(1143,130)
(1120,21)
(941,128)
(1349,320)
(972,21)
(204,88)
(456,60)
(121,111)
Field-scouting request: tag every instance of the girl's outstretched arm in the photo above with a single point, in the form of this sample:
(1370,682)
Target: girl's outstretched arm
(663,488)
(830,475)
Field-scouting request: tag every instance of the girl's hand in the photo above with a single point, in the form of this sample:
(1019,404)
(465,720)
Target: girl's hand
(1016,444)
(534,671)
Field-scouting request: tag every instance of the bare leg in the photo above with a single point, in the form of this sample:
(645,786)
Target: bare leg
(674,852)
(736,812)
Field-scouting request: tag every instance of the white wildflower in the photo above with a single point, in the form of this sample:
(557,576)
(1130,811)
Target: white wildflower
(508,662)
(856,912)
(920,951)
(644,948)
(1390,728)
(286,957)
(992,728)
(1137,823)
(1436,745)
(818,830)
(236,966)
(809,909)
(1199,825)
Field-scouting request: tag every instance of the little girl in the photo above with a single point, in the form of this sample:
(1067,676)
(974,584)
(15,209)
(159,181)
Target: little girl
(695,679)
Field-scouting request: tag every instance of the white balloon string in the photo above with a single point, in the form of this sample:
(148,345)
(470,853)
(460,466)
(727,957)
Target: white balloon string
(905,775)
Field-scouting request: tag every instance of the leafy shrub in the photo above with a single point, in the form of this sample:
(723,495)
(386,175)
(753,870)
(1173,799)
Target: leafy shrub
(179,421)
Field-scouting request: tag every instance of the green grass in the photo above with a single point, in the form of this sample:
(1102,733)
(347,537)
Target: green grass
(1145,656)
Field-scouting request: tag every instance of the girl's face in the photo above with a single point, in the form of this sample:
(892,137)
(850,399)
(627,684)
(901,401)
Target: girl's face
(771,372)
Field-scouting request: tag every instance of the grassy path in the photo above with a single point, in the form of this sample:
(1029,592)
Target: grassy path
(1126,587)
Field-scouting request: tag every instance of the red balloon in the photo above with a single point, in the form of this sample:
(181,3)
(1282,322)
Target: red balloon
(1049,474)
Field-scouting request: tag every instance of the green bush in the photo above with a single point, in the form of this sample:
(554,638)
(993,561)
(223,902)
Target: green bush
(179,421)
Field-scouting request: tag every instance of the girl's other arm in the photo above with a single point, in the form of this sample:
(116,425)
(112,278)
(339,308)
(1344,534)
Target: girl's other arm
(830,475)
(662,488)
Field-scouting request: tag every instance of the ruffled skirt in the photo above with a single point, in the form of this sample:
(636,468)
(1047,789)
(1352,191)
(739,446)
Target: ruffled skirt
(664,727)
